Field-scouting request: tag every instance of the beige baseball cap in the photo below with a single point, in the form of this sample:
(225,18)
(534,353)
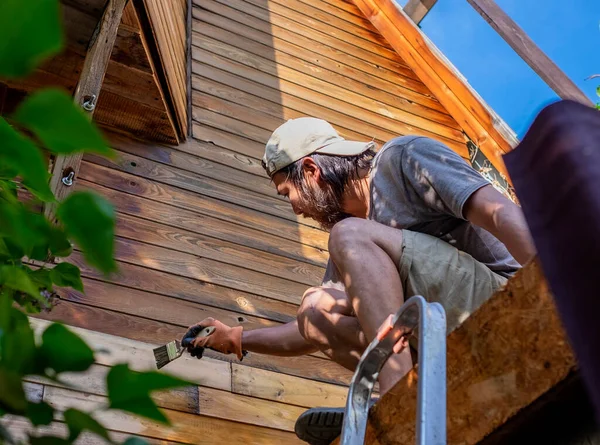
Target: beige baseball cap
(303,136)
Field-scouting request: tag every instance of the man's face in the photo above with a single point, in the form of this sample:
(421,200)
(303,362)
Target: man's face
(315,199)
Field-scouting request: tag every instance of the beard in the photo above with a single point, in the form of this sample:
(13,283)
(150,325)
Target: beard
(322,204)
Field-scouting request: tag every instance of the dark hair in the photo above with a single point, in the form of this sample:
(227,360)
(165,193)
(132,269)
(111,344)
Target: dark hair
(336,171)
(325,204)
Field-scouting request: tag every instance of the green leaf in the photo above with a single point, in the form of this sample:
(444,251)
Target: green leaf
(135,441)
(11,250)
(30,31)
(48,440)
(17,341)
(598,90)
(20,154)
(60,245)
(90,220)
(41,277)
(130,391)
(60,124)
(79,422)
(40,413)
(67,275)
(16,278)
(62,351)
(12,396)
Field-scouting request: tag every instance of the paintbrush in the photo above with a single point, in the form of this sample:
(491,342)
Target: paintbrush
(173,350)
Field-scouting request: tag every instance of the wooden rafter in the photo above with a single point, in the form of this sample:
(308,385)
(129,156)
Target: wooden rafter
(480,124)
(418,9)
(87,92)
(529,51)
(509,353)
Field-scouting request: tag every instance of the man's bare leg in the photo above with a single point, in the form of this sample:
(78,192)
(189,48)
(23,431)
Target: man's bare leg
(326,320)
(367,255)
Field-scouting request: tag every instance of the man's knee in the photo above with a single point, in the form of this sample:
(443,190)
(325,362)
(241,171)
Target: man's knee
(346,236)
(351,239)
(314,321)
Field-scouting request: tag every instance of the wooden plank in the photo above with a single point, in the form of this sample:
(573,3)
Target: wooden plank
(178,312)
(165,34)
(20,428)
(260,111)
(280,104)
(206,401)
(341,13)
(222,155)
(269,385)
(130,16)
(518,39)
(112,350)
(241,304)
(240,408)
(318,46)
(308,12)
(221,252)
(91,7)
(303,60)
(308,32)
(197,163)
(92,76)
(404,83)
(476,120)
(133,118)
(146,187)
(309,88)
(214,228)
(202,185)
(492,374)
(187,428)
(135,328)
(288,10)
(418,9)
(93,381)
(210,271)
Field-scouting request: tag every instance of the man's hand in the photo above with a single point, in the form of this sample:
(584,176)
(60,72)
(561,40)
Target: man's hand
(224,339)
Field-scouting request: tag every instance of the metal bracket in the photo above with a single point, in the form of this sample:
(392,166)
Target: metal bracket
(68,179)
(430,319)
(89,103)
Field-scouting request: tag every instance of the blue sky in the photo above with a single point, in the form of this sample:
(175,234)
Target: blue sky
(568,31)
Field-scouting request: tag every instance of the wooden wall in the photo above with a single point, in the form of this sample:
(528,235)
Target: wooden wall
(257,63)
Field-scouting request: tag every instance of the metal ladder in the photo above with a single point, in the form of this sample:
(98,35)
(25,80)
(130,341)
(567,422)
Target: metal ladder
(430,319)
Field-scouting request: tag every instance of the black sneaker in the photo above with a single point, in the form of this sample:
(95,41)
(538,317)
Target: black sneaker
(321,426)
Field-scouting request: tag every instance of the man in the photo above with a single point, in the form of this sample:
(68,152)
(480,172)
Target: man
(412,219)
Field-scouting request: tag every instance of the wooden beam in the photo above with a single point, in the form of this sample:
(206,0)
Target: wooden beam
(418,9)
(529,51)
(508,354)
(477,120)
(89,86)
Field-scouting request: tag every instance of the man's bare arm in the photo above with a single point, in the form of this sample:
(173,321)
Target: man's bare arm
(284,340)
(489,209)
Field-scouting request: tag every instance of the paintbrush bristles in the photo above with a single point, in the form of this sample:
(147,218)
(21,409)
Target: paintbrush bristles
(167,353)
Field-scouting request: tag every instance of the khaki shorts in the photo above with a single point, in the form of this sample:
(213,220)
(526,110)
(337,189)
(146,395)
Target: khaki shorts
(441,273)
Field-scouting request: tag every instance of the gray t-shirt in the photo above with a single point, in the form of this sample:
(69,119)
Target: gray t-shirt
(419,184)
